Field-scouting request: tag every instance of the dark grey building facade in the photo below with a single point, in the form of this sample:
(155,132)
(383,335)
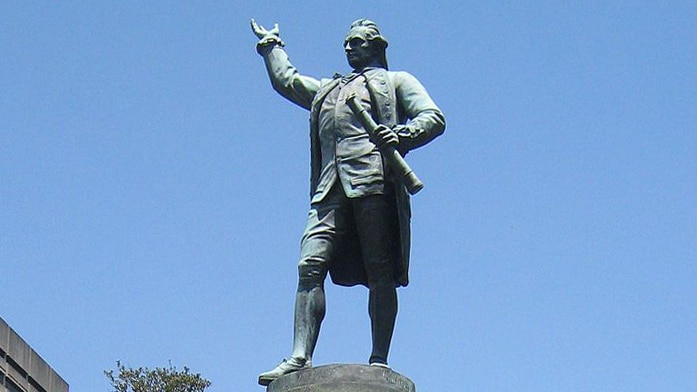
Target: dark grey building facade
(22,369)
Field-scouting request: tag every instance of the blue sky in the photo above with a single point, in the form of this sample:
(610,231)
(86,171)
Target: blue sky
(153,190)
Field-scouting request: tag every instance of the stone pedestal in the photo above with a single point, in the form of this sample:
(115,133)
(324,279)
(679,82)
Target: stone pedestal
(343,378)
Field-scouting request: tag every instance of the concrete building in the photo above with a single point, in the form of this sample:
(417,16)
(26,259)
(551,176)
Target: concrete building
(22,369)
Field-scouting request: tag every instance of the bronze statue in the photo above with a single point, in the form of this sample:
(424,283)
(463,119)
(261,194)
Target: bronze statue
(358,225)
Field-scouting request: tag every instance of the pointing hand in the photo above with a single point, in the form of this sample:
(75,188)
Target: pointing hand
(261,32)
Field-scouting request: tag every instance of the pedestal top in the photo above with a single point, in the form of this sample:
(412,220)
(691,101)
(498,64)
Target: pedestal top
(343,378)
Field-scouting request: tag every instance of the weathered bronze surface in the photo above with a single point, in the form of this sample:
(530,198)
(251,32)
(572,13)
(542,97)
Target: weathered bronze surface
(358,227)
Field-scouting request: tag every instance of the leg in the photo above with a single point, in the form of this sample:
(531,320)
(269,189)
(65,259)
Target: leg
(310,305)
(382,308)
(376,219)
(317,247)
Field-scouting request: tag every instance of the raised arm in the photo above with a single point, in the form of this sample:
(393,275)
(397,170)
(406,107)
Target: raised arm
(285,78)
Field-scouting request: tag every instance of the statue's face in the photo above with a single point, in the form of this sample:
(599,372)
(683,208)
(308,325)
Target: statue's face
(359,52)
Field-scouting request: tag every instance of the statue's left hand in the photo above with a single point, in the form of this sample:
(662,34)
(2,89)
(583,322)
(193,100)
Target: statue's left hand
(385,137)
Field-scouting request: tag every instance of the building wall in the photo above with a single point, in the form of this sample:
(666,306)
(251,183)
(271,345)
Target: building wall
(22,369)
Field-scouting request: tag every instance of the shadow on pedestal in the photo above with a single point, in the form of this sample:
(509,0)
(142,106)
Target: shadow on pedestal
(343,378)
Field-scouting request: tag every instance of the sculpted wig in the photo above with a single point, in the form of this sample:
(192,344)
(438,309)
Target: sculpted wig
(368,31)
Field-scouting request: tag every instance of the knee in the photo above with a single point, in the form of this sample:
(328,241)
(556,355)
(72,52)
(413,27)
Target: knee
(311,272)
(381,275)
(382,282)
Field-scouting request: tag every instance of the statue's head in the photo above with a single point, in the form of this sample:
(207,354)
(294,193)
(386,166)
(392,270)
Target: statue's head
(364,46)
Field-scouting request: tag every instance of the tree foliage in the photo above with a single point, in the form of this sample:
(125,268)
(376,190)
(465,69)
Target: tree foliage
(169,379)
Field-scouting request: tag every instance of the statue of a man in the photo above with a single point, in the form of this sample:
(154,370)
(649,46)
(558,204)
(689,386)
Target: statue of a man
(358,225)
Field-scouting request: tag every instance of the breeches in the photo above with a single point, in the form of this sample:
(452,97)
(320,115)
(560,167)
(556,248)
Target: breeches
(367,222)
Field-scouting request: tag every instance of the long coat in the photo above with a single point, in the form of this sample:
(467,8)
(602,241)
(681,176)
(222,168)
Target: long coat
(398,101)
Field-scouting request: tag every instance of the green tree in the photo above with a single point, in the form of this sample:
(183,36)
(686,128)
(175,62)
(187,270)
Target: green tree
(168,379)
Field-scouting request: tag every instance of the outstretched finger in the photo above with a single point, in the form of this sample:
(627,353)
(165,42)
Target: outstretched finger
(258,30)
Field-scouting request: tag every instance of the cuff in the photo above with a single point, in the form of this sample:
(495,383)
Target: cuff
(269,41)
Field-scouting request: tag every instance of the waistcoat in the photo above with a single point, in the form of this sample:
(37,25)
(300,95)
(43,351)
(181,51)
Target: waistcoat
(384,111)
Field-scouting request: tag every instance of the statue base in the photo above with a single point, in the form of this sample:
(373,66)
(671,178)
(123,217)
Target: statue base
(343,378)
